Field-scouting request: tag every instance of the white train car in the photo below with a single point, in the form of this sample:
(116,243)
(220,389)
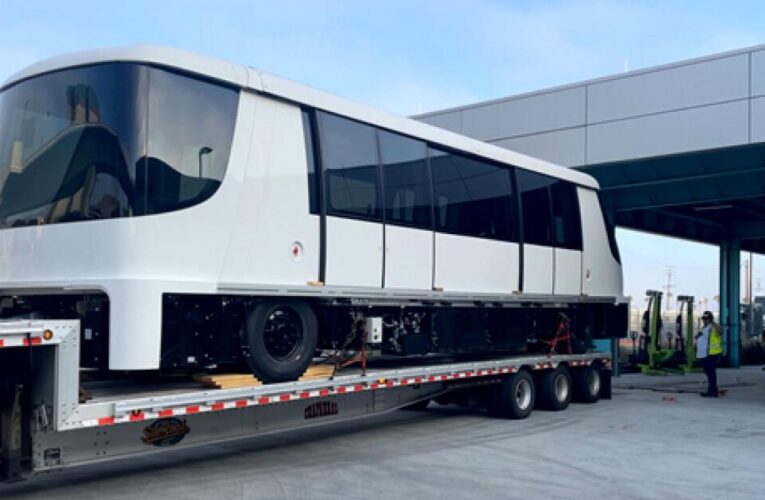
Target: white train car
(194,213)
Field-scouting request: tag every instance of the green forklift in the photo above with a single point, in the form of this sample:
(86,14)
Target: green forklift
(686,331)
(677,355)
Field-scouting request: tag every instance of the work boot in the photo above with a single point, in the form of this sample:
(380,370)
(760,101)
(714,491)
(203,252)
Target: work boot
(709,395)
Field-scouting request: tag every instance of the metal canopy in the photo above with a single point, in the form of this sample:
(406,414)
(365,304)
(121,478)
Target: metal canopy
(708,196)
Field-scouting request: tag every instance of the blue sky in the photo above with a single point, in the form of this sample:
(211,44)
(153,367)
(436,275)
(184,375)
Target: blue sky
(411,56)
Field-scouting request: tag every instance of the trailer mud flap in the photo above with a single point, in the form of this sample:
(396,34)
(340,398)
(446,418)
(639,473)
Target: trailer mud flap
(11,438)
(605,384)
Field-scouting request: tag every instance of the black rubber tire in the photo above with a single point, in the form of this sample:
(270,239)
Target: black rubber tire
(587,384)
(554,389)
(514,396)
(266,367)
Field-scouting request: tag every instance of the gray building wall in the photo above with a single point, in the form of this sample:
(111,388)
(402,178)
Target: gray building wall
(707,103)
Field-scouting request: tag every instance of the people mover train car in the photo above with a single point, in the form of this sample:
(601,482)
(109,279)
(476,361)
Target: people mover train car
(195,214)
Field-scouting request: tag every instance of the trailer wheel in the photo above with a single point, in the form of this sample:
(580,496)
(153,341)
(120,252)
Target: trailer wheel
(280,340)
(515,396)
(555,389)
(587,384)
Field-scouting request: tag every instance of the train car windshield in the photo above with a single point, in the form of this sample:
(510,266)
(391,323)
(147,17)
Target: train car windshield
(110,140)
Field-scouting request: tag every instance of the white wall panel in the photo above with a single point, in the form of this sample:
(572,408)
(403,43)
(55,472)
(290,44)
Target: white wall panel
(273,213)
(408,258)
(537,269)
(563,147)
(568,272)
(671,88)
(676,132)
(525,115)
(354,253)
(450,120)
(465,264)
(758,73)
(758,119)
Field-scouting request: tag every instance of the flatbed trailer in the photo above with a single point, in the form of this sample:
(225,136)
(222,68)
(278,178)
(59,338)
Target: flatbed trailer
(45,426)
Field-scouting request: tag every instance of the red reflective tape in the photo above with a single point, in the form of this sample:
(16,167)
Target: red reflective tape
(418,380)
(137,417)
(404,381)
(374,386)
(390,383)
(2,342)
(431,379)
(264,401)
(33,341)
(165,413)
(468,374)
(358,388)
(284,397)
(217,406)
(324,392)
(305,395)
(341,390)
(192,409)
(242,403)
(106,421)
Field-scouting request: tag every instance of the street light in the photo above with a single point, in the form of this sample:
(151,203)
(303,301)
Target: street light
(204,150)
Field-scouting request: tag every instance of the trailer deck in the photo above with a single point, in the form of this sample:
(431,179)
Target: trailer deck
(58,431)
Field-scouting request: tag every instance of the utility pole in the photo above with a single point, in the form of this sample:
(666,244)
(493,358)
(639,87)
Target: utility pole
(747,281)
(668,287)
(750,316)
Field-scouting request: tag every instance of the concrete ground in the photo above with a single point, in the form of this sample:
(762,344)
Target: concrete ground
(653,440)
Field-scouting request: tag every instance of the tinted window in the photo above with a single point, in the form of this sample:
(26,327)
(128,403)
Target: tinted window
(567,227)
(351,166)
(535,204)
(611,232)
(471,197)
(405,180)
(78,144)
(191,124)
(313,180)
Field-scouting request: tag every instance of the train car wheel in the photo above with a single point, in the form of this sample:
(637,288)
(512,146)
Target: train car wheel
(280,338)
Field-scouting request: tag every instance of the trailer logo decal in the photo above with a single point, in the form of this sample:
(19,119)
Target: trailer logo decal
(165,432)
(321,409)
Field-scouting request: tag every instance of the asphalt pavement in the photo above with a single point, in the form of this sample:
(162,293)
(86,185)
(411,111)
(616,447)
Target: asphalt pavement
(655,439)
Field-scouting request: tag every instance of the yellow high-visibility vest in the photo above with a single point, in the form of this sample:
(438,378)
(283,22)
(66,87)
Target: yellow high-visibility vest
(715,340)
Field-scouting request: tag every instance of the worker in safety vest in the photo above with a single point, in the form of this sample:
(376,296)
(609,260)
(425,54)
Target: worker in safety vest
(709,348)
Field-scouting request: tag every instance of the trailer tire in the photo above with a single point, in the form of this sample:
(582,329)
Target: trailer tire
(587,384)
(514,396)
(554,389)
(280,340)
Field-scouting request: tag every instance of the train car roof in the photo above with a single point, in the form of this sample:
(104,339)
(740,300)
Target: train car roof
(260,81)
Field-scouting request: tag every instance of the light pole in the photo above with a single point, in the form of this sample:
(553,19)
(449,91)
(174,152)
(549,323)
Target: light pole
(204,150)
